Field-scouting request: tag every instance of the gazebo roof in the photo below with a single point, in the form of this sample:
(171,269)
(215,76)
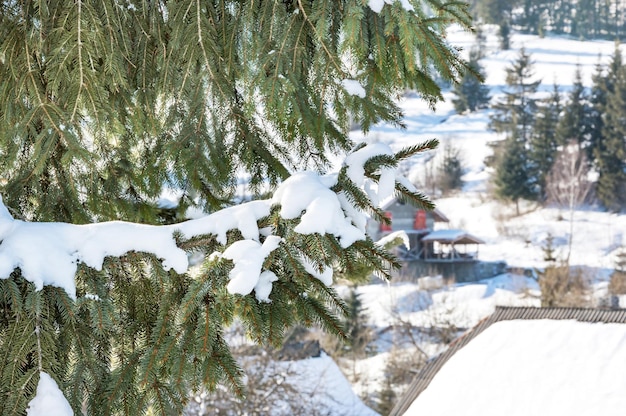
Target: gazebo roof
(452,237)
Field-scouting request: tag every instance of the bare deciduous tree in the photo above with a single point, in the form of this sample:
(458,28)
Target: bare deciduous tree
(568,184)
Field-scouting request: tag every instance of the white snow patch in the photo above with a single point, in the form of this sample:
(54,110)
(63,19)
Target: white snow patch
(353,87)
(49,399)
(322,388)
(325,275)
(248,257)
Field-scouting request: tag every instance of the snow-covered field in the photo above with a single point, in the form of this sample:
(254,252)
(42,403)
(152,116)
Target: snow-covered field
(518,240)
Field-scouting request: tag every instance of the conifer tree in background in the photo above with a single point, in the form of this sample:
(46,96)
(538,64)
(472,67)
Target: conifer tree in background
(471,93)
(543,141)
(513,180)
(356,326)
(575,123)
(610,153)
(516,113)
(597,102)
(450,170)
(514,117)
(104,105)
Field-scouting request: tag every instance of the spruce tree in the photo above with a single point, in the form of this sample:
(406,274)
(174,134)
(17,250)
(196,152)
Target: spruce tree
(597,101)
(516,112)
(450,169)
(610,154)
(514,117)
(543,141)
(513,180)
(105,105)
(575,123)
(471,93)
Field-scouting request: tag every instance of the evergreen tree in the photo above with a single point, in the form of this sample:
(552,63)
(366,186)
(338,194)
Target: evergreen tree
(105,105)
(471,93)
(451,169)
(514,117)
(611,155)
(357,331)
(585,21)
(516,113)
(543,140)
(597,101)
(505,35)
(513,180)
(575,123)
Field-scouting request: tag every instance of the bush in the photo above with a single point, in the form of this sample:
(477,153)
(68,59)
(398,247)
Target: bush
(562,286)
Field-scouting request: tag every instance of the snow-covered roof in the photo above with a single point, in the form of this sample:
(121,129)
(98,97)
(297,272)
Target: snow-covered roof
(452,237)
(524,361)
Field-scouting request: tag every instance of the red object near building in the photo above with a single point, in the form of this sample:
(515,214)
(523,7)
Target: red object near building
(420,220)
(386,227)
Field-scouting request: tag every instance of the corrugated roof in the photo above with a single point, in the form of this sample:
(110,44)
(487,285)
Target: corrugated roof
(502,313)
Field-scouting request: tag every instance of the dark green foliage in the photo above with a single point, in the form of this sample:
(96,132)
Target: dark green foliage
(505,35)
(548,249)
(517,111)
(471,93)
(513,180)
(387,399)
(597,100)
(575,122)
(139,338)
(610,153)
(585,19)
(515,117)
(102,107)
(543,141)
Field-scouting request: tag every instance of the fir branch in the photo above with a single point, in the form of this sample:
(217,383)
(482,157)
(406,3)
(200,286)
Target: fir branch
(407,152)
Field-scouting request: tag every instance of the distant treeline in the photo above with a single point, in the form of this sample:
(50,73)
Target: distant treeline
(585,19)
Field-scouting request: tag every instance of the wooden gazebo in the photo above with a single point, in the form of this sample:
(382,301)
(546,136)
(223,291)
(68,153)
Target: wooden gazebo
(449,246)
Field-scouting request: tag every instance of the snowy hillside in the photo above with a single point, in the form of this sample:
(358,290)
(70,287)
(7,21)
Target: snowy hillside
(517,240)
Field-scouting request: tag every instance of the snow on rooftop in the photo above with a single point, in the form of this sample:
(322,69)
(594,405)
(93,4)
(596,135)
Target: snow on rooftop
(452,236)
(537,367)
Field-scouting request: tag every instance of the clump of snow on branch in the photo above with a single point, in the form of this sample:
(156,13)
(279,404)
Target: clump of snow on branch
(325,275)
(355,162)
(377,5)
(49,253)
(248,257)
(353,87)
(49,399)
(309,192)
